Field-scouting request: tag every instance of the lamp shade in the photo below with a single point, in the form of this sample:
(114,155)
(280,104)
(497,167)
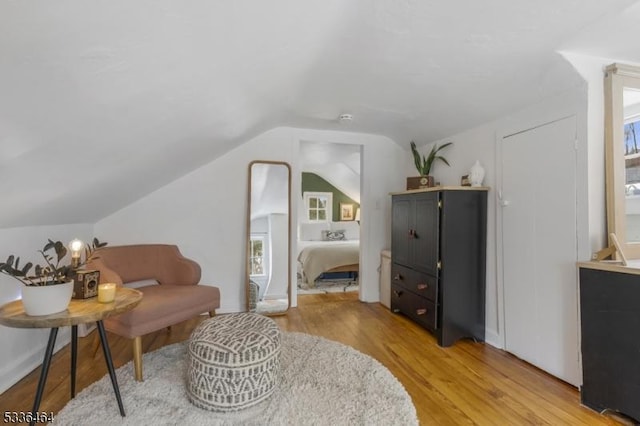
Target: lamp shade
(357,214)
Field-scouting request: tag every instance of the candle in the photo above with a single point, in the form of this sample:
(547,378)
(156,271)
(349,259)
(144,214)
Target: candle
(106,292)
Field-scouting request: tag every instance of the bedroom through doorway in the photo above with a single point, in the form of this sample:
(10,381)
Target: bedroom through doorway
(328,232)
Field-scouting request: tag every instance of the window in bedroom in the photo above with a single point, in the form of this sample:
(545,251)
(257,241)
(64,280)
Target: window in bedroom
(256,255)
(318,206)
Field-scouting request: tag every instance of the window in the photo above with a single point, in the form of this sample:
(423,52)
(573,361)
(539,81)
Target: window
(622,134)
(319,206)
(632,155)
(256,256)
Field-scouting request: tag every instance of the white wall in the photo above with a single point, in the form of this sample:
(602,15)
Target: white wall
(480,143)
(22,350)
(591,69)
(204,212)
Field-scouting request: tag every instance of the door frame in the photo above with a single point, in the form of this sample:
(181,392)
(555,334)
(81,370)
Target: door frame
(300,204)
(558,108)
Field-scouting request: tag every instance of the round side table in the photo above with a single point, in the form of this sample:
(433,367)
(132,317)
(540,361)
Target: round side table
(80,311)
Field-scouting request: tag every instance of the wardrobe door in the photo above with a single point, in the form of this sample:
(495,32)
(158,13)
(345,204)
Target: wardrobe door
(426,222)
(401,230)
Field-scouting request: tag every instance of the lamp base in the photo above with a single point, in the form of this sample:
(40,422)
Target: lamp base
(420,182)
(85,284)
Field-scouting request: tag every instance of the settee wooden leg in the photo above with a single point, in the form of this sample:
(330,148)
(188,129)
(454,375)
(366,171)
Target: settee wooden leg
(137,357)
(212,313)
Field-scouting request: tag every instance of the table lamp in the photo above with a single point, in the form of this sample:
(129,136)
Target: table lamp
(76,247)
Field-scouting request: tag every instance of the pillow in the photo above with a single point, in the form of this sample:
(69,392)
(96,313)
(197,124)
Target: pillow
(333,235)
(312,231)
(351,229)
(141,283)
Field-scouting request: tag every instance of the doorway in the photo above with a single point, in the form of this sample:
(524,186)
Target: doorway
(539,247)
(328,234)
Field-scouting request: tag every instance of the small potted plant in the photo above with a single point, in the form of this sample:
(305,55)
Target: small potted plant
(424,164)
(48,288)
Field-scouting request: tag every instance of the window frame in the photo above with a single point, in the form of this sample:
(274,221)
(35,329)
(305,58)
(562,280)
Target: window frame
(617,78)
(308,195)
(252,239)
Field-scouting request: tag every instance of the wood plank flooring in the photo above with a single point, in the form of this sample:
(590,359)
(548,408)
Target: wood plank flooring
(468,383)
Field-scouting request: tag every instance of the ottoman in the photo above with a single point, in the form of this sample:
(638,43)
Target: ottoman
(233,362)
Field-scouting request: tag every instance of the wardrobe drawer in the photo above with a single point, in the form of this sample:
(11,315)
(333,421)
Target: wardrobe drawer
(416,307)
(417,282)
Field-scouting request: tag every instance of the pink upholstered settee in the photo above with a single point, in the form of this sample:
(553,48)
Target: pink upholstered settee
(175,298)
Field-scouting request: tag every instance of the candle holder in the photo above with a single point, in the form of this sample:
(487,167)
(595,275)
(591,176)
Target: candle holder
(106,292)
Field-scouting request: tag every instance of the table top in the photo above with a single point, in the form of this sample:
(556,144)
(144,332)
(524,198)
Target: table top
(633,266)
(442,188)
(80,311)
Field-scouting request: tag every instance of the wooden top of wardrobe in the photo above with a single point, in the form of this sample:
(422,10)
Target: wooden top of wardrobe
(442,188)
(633,266)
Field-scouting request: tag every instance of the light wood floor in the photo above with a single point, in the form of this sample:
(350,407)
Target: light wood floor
(468,383)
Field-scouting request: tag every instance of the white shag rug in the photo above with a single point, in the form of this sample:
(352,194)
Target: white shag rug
(322,383)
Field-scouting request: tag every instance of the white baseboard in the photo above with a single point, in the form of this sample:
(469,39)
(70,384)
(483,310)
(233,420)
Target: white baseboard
(13,372)
(230,309)
(493,338)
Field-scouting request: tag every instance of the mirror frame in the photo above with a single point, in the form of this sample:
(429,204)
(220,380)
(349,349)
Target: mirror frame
(617,77)
(248,236)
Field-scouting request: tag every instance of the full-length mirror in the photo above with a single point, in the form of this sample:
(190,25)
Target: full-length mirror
(268,240)
(622,132)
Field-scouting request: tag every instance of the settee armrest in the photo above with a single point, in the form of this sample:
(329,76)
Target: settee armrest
(182,271)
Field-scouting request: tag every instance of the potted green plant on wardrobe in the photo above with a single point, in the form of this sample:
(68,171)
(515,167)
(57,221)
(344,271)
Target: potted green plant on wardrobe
(424,165)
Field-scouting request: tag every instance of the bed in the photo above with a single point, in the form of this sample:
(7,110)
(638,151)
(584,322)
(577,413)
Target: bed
(327,248)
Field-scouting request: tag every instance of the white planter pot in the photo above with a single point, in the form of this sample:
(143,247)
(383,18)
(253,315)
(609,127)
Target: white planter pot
(46,300)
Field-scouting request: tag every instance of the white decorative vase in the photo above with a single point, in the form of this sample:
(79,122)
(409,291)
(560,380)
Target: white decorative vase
(476,174)
(46,299)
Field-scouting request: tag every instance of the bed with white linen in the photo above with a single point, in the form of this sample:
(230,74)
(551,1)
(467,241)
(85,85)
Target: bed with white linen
(326,248)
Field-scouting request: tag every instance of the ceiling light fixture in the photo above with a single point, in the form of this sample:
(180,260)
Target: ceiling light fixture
(345,118)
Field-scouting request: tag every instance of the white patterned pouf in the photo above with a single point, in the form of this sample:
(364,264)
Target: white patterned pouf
(233,362)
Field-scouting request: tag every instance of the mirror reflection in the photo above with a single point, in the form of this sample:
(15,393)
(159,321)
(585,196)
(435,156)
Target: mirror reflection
(631,134)
(268,224)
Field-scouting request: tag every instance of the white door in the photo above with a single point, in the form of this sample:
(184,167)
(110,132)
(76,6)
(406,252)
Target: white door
(539,247)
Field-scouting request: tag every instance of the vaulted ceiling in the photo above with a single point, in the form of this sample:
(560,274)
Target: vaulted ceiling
(108,100)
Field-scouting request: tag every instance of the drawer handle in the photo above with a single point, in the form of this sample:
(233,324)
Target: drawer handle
(398,277)
(398,293)
(411,233)
(421,311)
(423,286)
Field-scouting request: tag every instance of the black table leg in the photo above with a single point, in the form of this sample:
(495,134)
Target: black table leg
(74,358)
(43,372)
(107,358)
